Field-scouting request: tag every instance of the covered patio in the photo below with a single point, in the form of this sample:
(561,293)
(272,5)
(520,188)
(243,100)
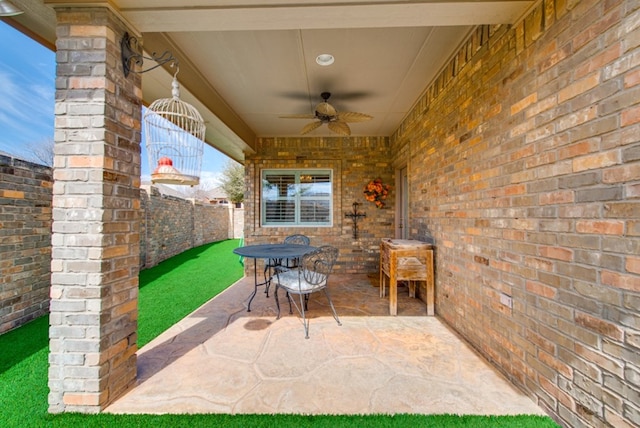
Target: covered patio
(513,145)
(223,359)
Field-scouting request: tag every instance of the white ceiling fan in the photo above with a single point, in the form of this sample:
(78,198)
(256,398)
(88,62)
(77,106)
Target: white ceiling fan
(325,113)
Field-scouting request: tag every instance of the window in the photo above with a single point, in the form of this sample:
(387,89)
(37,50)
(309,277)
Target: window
(296,197)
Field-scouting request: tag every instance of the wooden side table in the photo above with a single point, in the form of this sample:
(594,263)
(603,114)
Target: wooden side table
(406,260)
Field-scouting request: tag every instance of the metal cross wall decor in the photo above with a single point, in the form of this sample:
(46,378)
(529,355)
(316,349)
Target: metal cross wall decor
(355,216)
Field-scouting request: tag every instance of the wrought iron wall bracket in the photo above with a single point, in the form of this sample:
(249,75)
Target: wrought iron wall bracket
(131,53)
(355,216)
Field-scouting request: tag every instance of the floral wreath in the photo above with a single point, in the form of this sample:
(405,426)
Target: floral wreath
(376,192)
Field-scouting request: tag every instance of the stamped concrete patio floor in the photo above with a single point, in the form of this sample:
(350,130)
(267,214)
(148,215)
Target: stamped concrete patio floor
(223,359)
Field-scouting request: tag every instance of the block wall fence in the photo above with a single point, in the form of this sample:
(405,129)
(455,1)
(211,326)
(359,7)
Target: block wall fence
(25,241)
(171,225)
(523,160)
(168,227)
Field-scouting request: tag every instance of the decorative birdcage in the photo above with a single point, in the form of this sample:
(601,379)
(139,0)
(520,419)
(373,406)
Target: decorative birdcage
(174,133)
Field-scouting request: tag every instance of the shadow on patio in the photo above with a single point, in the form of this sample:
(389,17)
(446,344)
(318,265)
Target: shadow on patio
(223,359)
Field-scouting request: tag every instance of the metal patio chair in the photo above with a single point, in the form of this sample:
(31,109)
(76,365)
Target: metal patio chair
(294,239)
(270,264)
(310,276)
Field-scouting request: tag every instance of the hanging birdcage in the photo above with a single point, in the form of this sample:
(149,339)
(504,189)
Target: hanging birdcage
(174,132)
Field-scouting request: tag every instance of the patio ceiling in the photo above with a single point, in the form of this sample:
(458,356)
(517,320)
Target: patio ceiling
(246,63)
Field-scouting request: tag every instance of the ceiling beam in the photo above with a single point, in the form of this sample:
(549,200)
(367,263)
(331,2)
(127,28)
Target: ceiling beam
(325,16)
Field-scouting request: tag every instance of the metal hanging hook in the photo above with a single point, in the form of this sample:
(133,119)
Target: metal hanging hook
(131,53)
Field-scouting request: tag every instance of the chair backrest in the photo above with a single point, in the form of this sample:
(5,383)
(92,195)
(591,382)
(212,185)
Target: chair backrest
(297,239)
(318,264)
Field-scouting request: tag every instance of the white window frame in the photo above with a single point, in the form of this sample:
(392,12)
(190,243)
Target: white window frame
(297,197)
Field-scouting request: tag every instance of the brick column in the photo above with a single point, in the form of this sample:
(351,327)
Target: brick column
(96,205)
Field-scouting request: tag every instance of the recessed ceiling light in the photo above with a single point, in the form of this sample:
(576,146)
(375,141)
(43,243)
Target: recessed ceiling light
(325,59)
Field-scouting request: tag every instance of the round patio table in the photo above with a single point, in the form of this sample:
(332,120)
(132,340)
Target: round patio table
(271,252)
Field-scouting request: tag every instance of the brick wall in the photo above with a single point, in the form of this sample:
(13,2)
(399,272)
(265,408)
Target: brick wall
(524,164)
(354,162)
(25,241)
(175,225)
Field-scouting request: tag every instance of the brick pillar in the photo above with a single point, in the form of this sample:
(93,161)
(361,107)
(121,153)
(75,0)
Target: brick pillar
(96,205)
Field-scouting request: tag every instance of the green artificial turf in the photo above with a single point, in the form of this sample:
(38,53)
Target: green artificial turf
(168,292)
(177,286)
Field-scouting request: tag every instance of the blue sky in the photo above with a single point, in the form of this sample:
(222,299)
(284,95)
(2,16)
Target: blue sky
(27,99)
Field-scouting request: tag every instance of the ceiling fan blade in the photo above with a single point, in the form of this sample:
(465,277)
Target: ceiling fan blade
(310,127)
(339,127)
(298,116)
(352,117)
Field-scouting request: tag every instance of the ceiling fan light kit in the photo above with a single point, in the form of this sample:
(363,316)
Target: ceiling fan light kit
(326,113)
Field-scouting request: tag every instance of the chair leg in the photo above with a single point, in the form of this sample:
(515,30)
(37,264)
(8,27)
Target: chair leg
(267,279)
(271,263)
(305,321)
(275,294)
(333,309)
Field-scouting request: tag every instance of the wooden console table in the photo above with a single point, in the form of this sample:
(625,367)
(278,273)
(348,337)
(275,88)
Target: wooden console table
(406,260)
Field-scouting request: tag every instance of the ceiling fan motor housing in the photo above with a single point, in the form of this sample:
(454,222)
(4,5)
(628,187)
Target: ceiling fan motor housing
(325,112)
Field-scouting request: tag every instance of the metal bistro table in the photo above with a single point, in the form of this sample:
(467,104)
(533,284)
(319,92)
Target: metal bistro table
(271,252)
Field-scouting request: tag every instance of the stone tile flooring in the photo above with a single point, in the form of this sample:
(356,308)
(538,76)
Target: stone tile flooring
(223,359)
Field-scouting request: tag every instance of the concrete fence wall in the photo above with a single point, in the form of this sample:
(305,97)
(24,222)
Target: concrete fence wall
(169,226)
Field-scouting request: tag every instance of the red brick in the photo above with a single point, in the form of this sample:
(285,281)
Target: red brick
(555,57)
(87,31)
(557,253)
(605,328)
(579,87)
(630,116)
(595,161)
(632,79)
(632,264)
(619,280)
(13,194)
(600,60)
(86,161)
(558,197)
(524,103)
(605,227)
(541,342)
(578,118)
(542,106)
(85,399)
(541,289)
(598,28)
(87,83)
(578,149)
(622,174)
